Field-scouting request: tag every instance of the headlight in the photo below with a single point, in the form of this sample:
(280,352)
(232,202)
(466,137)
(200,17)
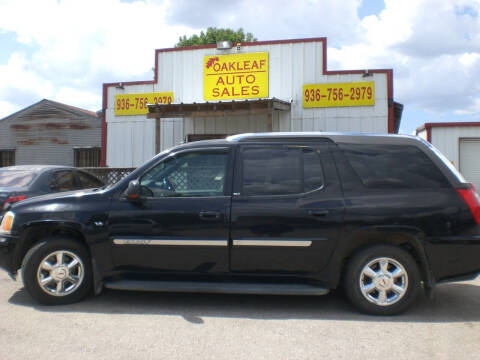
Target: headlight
(7,223)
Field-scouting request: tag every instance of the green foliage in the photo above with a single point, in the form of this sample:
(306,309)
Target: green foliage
(213,35)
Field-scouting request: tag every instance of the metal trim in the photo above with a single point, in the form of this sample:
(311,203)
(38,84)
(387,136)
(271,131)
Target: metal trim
(292,243)
(170,242)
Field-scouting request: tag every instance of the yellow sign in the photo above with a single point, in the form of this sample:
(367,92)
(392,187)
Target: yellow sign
(236,76)
(136,104)
(340,94)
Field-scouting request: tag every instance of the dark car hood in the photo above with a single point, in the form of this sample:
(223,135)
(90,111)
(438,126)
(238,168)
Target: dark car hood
(60,197)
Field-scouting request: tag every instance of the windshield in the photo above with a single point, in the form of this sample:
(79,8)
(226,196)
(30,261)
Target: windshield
(16,178)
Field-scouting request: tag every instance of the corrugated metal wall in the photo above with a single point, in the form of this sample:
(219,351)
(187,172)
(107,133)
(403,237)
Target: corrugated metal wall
(469,162)
(46,134)
(422,134)
(290,66)
(447,140)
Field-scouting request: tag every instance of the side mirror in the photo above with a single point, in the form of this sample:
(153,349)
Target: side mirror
(133,191)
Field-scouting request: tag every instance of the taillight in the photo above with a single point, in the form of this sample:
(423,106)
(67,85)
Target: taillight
(471,198)
(13,199)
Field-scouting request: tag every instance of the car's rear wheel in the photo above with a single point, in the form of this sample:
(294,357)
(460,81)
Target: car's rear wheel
(382,280)
(57,271)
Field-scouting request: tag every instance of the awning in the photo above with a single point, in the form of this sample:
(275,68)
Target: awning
(209,109)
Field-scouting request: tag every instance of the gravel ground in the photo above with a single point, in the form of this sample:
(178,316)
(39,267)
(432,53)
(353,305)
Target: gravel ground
(128,325)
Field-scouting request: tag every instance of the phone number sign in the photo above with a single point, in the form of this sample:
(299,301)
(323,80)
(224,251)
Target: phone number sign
(235,76)
(339,94)
(136,104)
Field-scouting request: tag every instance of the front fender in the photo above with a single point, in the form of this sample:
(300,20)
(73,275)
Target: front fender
(33,231)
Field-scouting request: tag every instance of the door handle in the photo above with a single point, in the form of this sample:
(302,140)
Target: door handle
(210,215)
(318,213)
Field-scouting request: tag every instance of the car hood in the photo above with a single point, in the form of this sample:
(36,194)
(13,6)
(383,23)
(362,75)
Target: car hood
(63,197)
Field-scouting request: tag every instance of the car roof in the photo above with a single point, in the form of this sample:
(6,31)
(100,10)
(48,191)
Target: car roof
(336,137)
(34,168)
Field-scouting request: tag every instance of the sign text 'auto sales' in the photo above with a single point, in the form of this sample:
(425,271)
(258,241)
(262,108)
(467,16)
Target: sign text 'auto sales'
(236,76)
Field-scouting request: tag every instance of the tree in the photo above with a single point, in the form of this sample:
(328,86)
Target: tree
(213,35)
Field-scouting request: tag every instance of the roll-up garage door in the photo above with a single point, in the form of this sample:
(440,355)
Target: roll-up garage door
(470,161)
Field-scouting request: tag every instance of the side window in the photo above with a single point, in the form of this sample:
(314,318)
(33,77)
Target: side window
(393,167)
(312,170)
(280,170)
(63,181)
(88,181)
(191,174)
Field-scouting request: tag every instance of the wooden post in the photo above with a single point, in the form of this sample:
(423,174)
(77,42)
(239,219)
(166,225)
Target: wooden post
(270,120)
(157,135)
(270,117)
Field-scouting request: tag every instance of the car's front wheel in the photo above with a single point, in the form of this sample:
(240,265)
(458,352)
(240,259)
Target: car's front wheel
(57,271)
(382,280)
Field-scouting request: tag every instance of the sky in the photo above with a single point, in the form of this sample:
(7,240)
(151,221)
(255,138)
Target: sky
(64,50)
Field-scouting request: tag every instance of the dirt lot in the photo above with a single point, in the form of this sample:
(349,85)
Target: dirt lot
(128,325)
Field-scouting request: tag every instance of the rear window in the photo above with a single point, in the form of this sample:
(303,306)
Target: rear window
(88,181)
(16,178)
(393,167)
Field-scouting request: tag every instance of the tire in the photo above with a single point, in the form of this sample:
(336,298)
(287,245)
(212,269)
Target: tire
(62,260)
(382,280)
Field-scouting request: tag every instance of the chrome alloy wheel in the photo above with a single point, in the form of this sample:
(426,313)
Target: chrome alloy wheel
(60,273)
(383,281)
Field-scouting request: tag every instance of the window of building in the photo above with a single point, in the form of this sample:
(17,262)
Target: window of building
(280,170)
(191,174)
(87,157)
(393,166)
(7,158)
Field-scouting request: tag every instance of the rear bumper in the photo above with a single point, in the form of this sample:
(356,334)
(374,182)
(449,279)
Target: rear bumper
(465,277)
(454,258)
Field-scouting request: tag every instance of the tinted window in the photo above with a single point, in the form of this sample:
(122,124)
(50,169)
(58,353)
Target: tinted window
(16,178)
(88,181)
(280,170)
(63,181)
(393,166)
(312,170)
(192,174)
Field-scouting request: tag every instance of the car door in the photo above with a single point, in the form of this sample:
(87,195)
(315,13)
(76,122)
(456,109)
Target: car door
(287,208)
(181,222)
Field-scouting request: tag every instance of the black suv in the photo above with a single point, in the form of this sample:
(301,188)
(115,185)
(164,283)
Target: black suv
(274,213)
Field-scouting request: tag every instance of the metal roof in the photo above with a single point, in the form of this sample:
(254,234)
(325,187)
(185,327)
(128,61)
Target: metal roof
(221,108)
(57,105)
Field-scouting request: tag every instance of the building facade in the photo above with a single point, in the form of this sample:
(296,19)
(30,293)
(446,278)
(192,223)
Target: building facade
(50,133)
(204,92)
(460,143)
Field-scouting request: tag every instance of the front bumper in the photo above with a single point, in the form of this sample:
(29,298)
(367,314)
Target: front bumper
(7,245)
